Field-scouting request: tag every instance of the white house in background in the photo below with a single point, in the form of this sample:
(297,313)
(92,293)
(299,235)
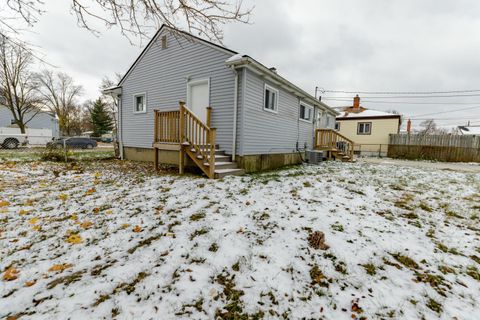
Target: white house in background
(41,129)
(469,130)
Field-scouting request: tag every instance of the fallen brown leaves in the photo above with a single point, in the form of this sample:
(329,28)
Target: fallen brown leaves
(10,274)
(4,203)
(60,267)
(74,239)
(86,224)
(90,191)
(316,240)
(30,283)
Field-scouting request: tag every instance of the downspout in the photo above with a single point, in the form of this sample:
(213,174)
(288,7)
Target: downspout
(235,108)
(297,146)
(120,126)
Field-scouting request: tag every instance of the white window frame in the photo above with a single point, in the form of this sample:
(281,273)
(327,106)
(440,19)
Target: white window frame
(277,94)
(144,95)
(337,123)
(307,106)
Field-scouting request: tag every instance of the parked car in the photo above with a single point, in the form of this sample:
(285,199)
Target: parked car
(107,137)
(74,142)
(12,140)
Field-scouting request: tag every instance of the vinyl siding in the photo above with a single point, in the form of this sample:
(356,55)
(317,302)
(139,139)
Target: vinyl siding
(163,75)
(41,120)
(380,132)
(265,132)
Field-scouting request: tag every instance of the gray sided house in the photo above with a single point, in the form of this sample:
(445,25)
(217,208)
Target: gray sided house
(41,120)
(261,119)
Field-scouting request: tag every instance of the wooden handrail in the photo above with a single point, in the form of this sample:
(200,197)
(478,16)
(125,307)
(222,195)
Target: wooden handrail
(196,138)
(331,140)
(199,139)
(338,134)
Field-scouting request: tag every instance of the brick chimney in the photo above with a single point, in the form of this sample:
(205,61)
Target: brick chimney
(356,102)
(409,126)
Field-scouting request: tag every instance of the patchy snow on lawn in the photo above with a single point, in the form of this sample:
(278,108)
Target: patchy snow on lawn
(113,240)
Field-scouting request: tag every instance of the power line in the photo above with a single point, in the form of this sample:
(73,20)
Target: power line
(413,97)
(400,92)
(404,102)
(440,119)
(435,113)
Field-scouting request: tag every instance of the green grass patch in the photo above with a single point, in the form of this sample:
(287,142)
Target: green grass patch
(406,261)
(434,305)
(197,216)
(370,269)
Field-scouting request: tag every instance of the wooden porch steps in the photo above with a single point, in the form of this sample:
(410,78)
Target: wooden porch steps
(220,173)
(183,131)
(224,166)
(336,146)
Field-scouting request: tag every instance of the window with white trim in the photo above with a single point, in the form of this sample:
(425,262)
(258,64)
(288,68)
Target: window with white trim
(271,99)
(364,128)
(337,126)
(139,103)
(306,112)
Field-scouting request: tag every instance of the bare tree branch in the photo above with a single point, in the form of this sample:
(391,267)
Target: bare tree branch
(60,95)
(17,86)
(137,18)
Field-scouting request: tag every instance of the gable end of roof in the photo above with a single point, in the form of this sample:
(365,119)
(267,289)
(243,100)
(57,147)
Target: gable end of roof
(181,33)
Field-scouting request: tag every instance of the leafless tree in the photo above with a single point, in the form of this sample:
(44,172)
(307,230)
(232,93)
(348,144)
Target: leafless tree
(430,127)
(393,111)
(17,86)
(80,120)
(112,103)
(137,18)
(60,95)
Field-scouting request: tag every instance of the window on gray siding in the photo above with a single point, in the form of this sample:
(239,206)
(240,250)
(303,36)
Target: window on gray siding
(139,103)
(271,99)
(364,128)
(306,112)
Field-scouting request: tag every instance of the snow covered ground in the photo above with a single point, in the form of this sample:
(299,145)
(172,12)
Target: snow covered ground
(113,240)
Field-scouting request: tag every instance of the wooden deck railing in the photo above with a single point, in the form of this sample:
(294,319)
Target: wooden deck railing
(196,138)
(167,127)
(331,140)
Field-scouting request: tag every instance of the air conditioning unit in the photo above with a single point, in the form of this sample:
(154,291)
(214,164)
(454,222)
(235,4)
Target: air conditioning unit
(315,156)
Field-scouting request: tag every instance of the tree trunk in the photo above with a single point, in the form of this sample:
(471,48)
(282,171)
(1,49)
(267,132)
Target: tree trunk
(22,127)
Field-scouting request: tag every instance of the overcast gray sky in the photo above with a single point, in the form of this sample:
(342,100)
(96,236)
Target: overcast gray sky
(369,45)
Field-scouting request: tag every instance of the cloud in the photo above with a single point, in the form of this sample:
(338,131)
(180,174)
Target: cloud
(371,45)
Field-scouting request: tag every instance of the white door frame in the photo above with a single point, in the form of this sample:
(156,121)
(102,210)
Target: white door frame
(195,82)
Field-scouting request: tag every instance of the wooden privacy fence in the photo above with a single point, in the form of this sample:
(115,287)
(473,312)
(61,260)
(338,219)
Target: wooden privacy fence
(445,147)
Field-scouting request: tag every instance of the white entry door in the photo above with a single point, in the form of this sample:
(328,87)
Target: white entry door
(198,98)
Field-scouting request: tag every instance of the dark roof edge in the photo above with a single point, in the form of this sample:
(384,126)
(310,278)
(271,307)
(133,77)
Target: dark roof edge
(370,117)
